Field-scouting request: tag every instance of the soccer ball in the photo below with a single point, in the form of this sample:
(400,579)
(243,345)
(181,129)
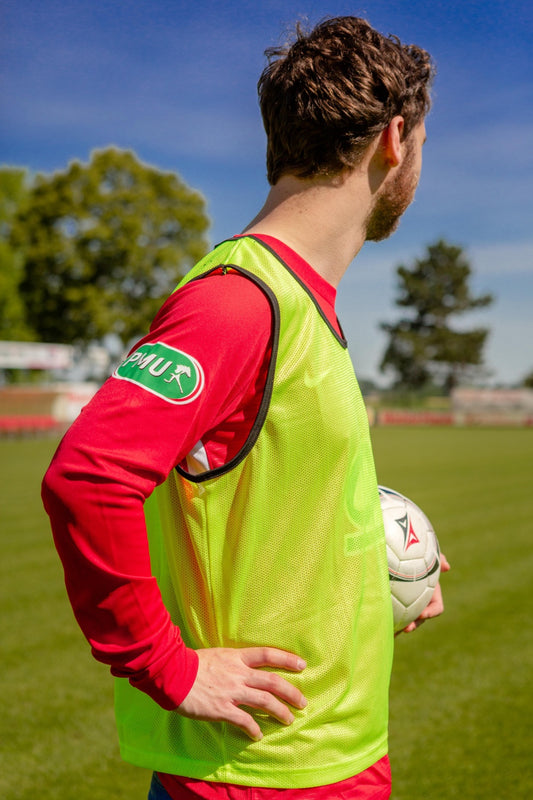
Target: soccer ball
(413,554)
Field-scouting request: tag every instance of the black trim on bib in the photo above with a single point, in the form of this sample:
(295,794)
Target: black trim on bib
(340,339)
(269,384)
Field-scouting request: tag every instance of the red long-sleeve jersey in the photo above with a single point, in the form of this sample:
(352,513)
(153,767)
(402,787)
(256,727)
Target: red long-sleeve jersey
(127,440)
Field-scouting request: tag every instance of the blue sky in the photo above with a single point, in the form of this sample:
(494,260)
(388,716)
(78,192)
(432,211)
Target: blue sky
(176,82)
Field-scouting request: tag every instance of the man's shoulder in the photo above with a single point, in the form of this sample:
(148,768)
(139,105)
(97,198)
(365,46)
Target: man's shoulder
(223,297)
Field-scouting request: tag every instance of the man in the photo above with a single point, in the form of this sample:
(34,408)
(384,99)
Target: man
(215,506)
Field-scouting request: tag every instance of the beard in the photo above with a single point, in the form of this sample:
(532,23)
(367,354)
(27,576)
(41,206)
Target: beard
(389,206)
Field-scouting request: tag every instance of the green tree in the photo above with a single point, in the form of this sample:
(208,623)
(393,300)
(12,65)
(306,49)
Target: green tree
(423,347)
(14,189)
(528,381)
(104,244)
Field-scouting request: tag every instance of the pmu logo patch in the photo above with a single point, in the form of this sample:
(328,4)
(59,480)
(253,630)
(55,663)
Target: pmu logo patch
(164,371)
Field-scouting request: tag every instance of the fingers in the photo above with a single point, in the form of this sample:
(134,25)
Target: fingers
(412,626)
(259,700)
(229,679)
(435,606)
(269,704)
(444,563)
(272,657)
(245,722)
(277,686)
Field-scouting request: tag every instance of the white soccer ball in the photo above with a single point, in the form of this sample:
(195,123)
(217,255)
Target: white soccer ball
(413,554)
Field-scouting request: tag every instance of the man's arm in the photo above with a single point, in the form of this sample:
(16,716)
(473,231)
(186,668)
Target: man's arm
(123,444)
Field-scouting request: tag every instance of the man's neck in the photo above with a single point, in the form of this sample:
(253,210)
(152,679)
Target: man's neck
(322,220)
(326,219)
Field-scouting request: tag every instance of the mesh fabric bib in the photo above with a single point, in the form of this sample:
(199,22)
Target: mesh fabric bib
(283,547)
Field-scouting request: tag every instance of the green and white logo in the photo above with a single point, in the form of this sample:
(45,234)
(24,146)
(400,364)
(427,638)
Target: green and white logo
(164,371)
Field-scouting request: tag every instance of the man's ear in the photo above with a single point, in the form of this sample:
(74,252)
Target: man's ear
(391,141)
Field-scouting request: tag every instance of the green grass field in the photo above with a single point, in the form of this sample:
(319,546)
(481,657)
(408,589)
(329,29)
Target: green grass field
(461,689)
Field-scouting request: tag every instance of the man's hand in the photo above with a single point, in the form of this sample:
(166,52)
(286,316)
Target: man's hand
(229,678)
(435,605)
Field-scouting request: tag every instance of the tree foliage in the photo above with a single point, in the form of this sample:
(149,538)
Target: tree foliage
(528,380)
(104,244)
(13,196)
(423,347)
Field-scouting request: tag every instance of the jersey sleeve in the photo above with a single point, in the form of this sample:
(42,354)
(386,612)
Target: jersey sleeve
(123,444)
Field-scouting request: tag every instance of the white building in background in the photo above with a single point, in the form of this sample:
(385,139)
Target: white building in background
(36,355)
(493,406)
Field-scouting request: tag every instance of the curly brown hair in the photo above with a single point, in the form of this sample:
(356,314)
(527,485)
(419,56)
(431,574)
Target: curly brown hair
(324,97)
